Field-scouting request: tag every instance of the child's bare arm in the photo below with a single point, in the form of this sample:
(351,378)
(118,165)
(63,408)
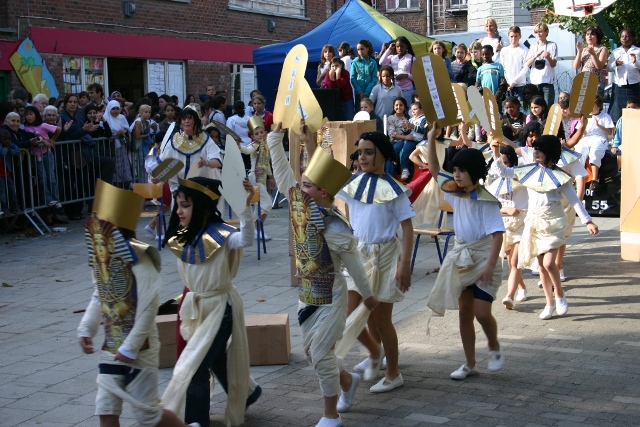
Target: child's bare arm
(403,276)
(579,133)
(464,135)
(308,137)
(415,158)
(432,156)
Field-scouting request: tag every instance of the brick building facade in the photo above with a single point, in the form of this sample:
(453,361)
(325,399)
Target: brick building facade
(211,41)
(439,16)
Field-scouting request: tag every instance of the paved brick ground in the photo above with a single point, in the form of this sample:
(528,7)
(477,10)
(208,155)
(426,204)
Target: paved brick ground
(579,369)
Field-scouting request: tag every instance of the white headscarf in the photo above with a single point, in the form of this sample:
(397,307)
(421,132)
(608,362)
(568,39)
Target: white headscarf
(115,123)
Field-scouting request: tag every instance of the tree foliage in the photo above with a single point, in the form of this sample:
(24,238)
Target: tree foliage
(619,15)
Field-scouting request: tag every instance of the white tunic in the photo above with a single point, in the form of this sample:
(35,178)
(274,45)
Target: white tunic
(210,290)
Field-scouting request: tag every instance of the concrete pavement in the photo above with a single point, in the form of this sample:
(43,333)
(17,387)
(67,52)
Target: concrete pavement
(578,369)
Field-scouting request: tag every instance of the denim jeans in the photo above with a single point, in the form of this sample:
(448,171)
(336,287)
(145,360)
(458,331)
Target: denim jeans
(197,407)
(517,92)
(403,151)
(47,180)
(548,92)
(619,99)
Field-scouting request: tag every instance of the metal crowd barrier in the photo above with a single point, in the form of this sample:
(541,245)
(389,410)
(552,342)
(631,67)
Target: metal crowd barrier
(65,177)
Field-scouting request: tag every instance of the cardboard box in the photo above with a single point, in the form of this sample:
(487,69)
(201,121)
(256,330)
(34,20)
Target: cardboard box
(629,206)
(269,339)
(167,333)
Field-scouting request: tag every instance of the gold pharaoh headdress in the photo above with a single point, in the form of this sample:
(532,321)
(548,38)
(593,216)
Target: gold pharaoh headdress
(120,207)
(326,172)
(198,187)
(255,122)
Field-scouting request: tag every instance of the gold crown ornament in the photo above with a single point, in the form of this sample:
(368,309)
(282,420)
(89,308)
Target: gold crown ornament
(254,123)
(120,207)
(198,187)
(326,172)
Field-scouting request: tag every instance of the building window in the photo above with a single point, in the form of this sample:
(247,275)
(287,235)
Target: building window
(459,4)
(291,8)
(393,5)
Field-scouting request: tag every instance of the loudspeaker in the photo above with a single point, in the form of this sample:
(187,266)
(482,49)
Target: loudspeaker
(329,100)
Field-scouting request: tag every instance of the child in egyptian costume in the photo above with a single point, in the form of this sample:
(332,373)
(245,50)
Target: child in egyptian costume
(546,221)
(187,142)
(425,192)
(260,172)
(378,206)
(125,299)
(323,244)
(513,200)
(471,273)
(571,162)
(209,253)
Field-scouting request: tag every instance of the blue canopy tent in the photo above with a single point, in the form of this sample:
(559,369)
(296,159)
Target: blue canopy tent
(352,22)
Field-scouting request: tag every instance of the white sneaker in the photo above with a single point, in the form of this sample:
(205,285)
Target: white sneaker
(562,306)
(547,312)
(562,276)
(385,384)
(266,236)
(330,422)
(540,284)
(194,425)
(463,372)
(150,230)
(508,303)
(346,397)
(371,372)
(496,360)
(360,367)
(521,295)
(535,272)
(405,174)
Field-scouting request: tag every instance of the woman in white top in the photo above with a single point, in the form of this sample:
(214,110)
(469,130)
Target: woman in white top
(493,38)
(542,61)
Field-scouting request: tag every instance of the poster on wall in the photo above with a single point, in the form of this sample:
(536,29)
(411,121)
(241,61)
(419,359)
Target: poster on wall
(32,71)
(248,82)
(155,77)
(166,77)
(176,81)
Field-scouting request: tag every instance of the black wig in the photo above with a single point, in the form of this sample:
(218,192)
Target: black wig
(551,147)
(204,210)
(382,143)
(197,122)
(510,152)
(472,161)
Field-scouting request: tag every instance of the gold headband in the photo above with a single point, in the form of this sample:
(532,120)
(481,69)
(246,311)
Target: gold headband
(193,107)
(120,207)
(326,172)
(198,187)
